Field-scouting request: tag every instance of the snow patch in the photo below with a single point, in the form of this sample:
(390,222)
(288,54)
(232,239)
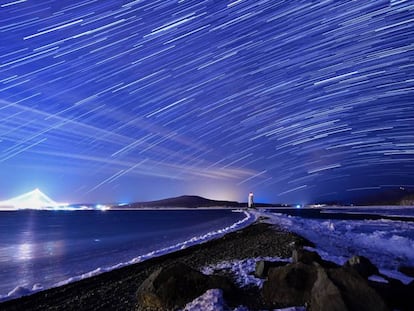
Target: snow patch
(19,291)
(377,278)
(242,270)
(211,300)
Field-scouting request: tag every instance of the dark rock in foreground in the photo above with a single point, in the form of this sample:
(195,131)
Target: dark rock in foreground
(362,265)
(262,267)
(397,295)
(322,288)
(355,291)
(325,296)
(290,285)
(309,257)
(174,286)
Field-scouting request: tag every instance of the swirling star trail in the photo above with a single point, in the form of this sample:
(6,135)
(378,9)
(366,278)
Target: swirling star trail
(295,100)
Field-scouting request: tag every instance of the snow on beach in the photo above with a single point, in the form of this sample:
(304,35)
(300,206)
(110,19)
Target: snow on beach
(387,243)
(212,300)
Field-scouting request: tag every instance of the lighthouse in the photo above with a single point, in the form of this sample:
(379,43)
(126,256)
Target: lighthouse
(250,200)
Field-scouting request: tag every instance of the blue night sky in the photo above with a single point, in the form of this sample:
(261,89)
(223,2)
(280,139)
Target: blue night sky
(116,101)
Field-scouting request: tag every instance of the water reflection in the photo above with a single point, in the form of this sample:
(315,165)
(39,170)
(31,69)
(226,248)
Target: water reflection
(30,258)
(25,251)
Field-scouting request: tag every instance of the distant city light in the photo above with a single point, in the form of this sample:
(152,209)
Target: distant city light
(102,207)
(35,199)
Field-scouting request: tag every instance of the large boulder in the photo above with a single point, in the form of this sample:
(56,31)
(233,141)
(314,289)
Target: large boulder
(397,295)
(309,257)
(325,296)
(362,265)
(355,291)
(290,285)
(322,289)
(171,287)
(305,256)
(263,266)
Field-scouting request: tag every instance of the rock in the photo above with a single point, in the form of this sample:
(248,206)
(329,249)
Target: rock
(171,287)
(325,296)
(304,256)
(290,285)
(309,257)
(407,270)
(337,289)
(362,265)
(262,267)
(355,291)
(396,295)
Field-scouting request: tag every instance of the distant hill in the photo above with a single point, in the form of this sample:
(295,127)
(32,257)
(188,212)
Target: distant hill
(189,201)
(192,201)
(397,196)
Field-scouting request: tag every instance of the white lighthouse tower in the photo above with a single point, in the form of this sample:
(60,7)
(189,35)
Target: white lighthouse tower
(250,200)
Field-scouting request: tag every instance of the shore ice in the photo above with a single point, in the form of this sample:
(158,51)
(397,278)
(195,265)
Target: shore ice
(336,240)
(387,243)
(212,300)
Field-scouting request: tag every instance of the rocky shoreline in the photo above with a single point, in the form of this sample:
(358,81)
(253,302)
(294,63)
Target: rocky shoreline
(118,289)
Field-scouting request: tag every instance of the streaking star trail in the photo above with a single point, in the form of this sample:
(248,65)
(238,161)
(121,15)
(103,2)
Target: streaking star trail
(133,100)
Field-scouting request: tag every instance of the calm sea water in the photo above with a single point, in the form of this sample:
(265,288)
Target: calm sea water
(41,249)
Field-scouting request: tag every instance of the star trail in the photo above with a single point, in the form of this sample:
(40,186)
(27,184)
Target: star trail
(296,101)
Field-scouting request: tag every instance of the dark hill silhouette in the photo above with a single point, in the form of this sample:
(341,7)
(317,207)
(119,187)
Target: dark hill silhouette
(192,201)
(397,196)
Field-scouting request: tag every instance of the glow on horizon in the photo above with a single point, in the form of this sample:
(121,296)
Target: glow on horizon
(35,199)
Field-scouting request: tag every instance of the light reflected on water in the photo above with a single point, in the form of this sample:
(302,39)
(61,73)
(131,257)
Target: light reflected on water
(28,251)
(25,251)
(32,253)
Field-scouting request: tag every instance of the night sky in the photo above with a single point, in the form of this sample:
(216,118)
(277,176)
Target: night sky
(119,101)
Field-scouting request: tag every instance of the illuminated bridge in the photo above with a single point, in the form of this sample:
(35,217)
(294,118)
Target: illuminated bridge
(35,199)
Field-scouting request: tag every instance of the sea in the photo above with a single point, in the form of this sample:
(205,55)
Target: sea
(44,249)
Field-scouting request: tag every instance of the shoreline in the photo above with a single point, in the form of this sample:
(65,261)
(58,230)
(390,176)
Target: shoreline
(116,289)
(199,238)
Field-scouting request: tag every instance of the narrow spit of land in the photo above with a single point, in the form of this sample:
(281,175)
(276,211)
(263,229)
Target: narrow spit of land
(115,290)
